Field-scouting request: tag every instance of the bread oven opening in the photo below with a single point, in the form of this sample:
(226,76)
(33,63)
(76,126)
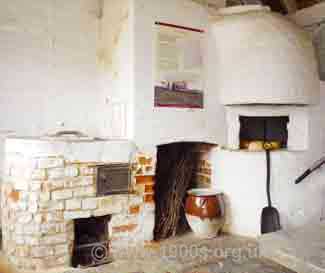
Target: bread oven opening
(91,245)
(263,132)
(180,167)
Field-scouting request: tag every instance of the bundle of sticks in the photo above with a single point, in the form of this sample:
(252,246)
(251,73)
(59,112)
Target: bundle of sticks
(175,168)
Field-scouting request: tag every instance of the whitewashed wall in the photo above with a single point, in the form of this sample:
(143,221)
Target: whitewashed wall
(117,68)
(279,54)
(48,66)
(162,125)
(49,52)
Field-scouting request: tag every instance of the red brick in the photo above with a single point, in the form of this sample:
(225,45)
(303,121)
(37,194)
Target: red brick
(142,160)
(148,198)
(145,179)
(151,244)
(208,164)
(14,196)
(149,161)
(134,209)
(206,171)
(149,188)
(124,228)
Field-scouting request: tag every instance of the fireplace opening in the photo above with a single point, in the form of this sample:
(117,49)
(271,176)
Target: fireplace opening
(91,245)
(180,167)
(271,130)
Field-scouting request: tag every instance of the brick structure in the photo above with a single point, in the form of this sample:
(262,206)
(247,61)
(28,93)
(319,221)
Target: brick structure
(203,173)
(42,195)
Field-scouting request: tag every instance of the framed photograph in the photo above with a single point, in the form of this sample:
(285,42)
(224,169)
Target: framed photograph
(179,67)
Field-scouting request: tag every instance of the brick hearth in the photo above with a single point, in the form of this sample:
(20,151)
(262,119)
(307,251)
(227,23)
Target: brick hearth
(45,191)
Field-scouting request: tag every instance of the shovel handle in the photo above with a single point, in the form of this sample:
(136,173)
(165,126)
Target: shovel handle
(303,176)
(318,164)
(268,177)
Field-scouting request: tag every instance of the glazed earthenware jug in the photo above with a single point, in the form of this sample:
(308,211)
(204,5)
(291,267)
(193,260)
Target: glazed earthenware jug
(204,212)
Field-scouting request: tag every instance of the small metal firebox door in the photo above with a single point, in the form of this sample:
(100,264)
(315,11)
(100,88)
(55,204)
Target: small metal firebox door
(113,179)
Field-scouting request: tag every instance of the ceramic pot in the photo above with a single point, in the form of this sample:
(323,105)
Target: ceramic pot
(204,212)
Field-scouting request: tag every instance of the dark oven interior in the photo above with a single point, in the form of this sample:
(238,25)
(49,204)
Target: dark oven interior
(267,129)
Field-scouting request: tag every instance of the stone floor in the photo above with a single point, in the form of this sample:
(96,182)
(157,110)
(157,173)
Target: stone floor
(302,249)
(189,254)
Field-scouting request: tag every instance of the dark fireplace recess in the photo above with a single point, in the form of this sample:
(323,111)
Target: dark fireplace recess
(176,168)
(91,245)
(269,129)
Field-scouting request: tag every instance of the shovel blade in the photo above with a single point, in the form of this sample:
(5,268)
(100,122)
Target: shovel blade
(270,220)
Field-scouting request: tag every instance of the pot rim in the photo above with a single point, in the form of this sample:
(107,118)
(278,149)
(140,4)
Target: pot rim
(203,192)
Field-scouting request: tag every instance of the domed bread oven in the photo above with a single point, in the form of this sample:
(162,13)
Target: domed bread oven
(263,58)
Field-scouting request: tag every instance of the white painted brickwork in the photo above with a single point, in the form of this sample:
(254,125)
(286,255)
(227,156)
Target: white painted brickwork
(48,61)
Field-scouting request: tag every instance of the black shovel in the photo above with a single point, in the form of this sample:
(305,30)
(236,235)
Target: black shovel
(270,219)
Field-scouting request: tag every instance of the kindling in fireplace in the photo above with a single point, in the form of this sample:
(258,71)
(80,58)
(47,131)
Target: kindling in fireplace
(180,166)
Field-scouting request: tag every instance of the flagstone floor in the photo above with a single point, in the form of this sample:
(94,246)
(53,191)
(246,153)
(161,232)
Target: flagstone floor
(189,254)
